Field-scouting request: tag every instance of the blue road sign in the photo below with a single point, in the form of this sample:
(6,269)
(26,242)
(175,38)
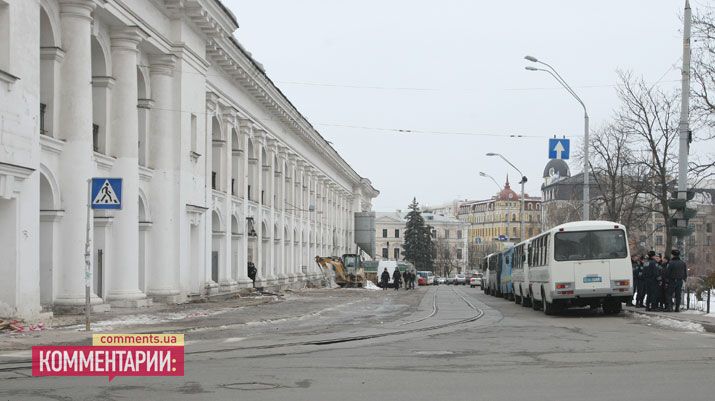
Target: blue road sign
(106,193)
(559,148)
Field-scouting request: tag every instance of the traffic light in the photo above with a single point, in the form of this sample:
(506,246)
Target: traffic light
(679,222)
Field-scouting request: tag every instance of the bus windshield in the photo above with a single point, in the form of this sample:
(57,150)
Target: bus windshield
(587,245)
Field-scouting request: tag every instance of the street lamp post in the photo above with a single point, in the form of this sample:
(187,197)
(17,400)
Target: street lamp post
(508,205)
(522,182)
(560,80)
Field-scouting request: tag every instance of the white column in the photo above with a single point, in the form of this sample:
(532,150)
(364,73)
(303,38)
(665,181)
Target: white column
(75,127)
(226,280)
(244,132)
(165,152)
(260,263)
(270,187)
(124,277)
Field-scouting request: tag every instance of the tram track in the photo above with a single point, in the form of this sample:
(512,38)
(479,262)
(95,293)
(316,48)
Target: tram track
(11,366)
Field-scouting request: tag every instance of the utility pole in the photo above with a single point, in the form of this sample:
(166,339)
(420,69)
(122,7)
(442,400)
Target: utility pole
(684,121)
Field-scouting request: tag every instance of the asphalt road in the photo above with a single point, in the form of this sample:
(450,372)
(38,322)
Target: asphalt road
(451,343)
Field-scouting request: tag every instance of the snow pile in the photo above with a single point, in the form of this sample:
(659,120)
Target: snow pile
(369,285)
(672,323)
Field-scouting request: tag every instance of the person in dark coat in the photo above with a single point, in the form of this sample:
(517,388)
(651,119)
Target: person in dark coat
(662,281)
(396,278)
(650,274)
(385,279)
(634,267)
(677,274)
(252,272)
(640,282)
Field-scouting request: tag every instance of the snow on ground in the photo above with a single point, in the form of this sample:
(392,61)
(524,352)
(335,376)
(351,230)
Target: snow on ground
(651,320)
(702,306)
(142,319)
(369,285)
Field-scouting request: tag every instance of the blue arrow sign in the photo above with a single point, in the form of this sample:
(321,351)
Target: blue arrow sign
(559,148)
(106,193)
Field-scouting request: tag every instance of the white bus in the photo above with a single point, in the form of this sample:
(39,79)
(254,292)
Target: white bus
(578,264)
(520,274)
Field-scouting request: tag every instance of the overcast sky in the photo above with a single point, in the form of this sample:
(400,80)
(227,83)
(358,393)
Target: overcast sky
(455,66)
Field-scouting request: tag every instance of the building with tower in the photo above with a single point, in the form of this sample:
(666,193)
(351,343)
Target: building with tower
(496,221)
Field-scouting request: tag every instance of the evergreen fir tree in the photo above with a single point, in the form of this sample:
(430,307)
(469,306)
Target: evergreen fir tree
(418,246)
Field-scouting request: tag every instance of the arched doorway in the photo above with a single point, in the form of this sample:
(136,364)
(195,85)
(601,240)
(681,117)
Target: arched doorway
(252,171)
(101,93)
(216,245)
(49,215)
(143,106)
(50,57)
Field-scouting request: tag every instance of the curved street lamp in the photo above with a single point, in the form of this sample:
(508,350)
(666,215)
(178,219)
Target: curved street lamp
(552,71)
(522,182)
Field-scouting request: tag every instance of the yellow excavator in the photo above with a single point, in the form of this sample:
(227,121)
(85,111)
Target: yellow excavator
(348,274)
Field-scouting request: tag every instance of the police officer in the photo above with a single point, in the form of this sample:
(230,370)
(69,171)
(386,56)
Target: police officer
(639,281)
(634,266)
(650,275)
(677,273)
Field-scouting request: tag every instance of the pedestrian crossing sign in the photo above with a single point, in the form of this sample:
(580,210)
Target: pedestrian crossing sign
(106,193)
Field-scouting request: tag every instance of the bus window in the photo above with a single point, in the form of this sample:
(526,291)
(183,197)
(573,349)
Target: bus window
(586,245)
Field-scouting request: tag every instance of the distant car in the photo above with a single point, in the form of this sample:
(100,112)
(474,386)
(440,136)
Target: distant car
(449,280)
(421,280)
(475,280)
(441,280)
(460,279)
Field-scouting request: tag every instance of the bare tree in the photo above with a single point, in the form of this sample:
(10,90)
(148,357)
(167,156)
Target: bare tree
(650,118)
(703,86)
(618,177)
(445,254)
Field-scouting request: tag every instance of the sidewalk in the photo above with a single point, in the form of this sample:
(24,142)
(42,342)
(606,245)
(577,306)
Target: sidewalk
(687,316)
(248,314)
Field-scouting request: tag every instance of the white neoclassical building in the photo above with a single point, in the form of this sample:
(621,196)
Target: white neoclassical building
(218,167)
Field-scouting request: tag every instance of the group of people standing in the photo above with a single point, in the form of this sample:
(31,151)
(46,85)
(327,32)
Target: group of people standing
(658,281)
(408,278)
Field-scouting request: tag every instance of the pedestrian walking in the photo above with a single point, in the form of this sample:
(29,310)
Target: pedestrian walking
(406,279)
(385,279)
(396,278)
(677,273)
(413,278)
(650,274)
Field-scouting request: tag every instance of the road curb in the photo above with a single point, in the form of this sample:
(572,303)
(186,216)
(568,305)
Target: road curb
(709,327)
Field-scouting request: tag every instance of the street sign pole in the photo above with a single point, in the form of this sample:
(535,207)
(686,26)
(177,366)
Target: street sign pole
(88,259)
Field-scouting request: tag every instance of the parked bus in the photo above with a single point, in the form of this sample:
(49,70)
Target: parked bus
(520,274)
(505,283)
(493,273)
(579,264)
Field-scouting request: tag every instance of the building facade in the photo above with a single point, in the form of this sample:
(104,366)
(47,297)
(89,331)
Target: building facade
(219,169)
(498,218)
(448,234)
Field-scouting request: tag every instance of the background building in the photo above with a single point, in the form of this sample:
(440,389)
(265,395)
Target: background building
(219,168)
(495,222)
(448,234)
